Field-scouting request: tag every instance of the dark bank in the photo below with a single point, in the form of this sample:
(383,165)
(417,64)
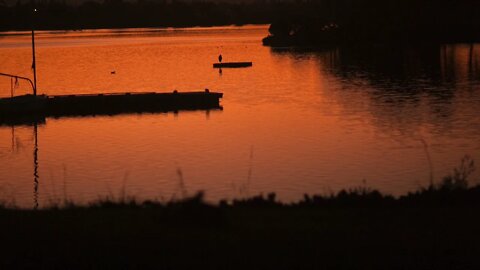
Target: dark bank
(435,228)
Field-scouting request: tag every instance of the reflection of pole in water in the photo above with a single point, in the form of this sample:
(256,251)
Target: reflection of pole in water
(470,56)
(35,167)
(429,159)
(471,68)
(13,139)
(445,63)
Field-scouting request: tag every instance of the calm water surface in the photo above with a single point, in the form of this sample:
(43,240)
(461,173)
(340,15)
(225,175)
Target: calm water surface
(296,122)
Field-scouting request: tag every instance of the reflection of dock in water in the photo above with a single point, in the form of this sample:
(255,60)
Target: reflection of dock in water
(30,108)
(35,167)
(33,110)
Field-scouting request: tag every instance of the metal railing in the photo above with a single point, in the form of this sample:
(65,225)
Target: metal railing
(19,77)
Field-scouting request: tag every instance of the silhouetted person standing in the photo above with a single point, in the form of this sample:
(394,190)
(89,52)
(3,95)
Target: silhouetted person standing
(220,58)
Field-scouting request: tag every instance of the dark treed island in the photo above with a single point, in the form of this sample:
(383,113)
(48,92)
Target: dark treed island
(350,22)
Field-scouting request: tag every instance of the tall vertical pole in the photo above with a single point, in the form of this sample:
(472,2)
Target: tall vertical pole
(34,65)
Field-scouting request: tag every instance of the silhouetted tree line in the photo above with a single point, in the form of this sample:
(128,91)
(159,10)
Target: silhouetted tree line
(333,22)
(295,22)
(57,14)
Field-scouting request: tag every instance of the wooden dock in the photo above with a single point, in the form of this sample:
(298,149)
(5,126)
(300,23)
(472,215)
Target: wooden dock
(232,65)
(35,108)
(32,107)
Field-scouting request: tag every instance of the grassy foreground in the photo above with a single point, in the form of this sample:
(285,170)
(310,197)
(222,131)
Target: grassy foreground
(435,228)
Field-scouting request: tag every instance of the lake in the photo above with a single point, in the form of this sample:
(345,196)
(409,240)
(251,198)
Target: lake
(392,118)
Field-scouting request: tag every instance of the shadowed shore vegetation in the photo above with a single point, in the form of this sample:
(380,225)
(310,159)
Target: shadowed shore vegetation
(433,228)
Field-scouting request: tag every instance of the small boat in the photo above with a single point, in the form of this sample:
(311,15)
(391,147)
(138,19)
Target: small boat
(232,65)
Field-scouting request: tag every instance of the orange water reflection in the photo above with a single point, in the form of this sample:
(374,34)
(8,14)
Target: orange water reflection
(296,122)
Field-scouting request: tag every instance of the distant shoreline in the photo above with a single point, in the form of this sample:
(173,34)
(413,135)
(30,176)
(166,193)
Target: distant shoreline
(118,14)
(127,30)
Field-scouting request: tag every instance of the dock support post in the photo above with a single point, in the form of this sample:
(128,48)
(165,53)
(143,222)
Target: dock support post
(34,65)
